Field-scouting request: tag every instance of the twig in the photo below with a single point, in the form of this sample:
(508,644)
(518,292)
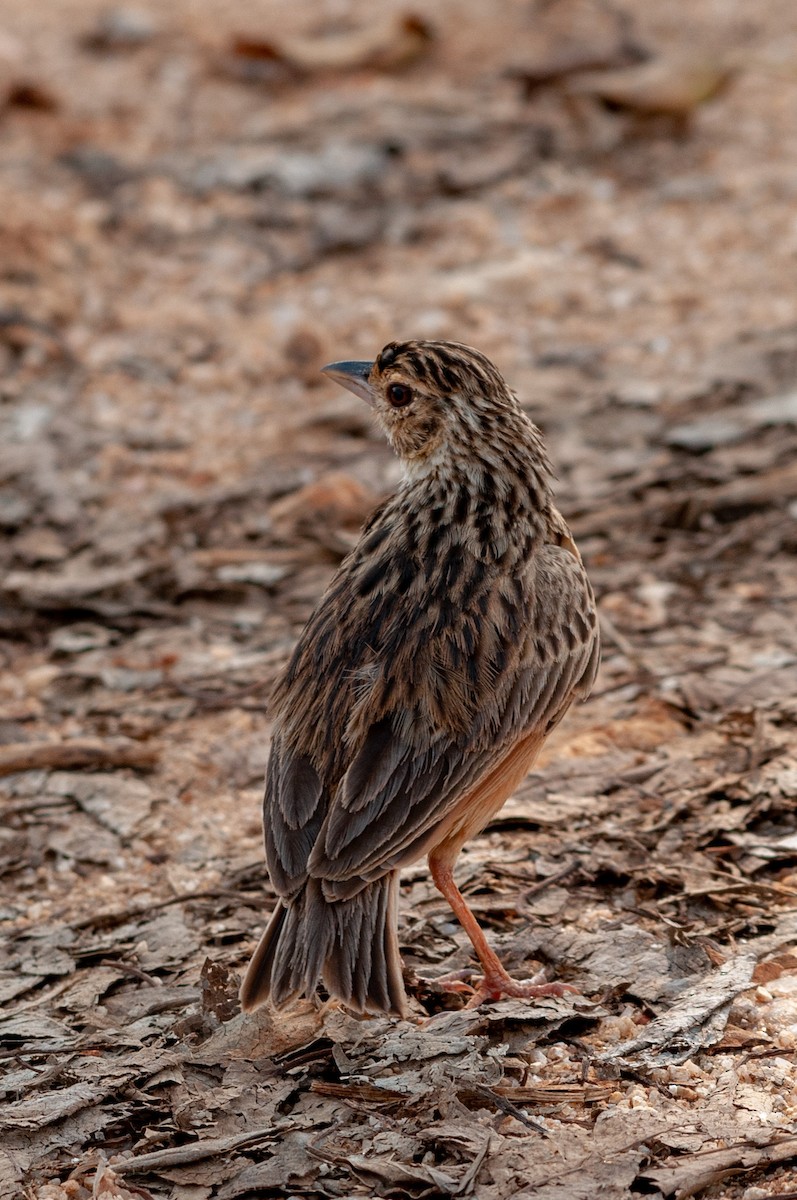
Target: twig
(542,884)
(480,1091)
(192,1152)
(611,633)
(210,700)
(77,752)
(108,920)
(661,506)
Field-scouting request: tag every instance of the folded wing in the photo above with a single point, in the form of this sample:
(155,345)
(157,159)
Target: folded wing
(406,774)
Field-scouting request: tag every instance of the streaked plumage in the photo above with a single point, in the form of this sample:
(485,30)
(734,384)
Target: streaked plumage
(447,646)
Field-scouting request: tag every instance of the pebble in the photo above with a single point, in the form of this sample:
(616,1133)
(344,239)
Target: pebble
(122,29)
(703,435)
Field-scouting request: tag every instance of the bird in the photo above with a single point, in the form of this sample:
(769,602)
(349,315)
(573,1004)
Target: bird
(449,643)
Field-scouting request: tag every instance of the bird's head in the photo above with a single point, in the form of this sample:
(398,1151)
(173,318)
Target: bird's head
(433,399)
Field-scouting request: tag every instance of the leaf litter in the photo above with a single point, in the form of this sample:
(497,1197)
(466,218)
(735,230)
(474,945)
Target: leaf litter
(176,488)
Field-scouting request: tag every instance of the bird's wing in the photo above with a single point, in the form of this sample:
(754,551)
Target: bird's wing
(536,648)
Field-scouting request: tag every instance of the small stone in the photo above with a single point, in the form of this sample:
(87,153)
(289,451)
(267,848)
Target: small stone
(638,393)
(39,545)
(775,410)
(15,509)
(692,189)
(263,573)
(121,29)
(78,638)
(100,171)
(699,436)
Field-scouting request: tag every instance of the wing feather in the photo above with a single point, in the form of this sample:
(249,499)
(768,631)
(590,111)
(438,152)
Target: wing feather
(292,816)
(406,774)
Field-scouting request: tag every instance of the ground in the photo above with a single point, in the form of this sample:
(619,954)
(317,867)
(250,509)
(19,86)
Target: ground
(199,211)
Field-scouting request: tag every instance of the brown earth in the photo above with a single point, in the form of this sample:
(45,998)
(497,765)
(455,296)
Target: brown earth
(199,206)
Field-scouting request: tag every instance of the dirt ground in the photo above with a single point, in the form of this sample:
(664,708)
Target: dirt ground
(200,205)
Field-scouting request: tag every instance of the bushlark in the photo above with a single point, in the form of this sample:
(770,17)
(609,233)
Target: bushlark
(450,642)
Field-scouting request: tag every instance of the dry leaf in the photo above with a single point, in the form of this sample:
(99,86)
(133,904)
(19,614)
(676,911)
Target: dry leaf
(692,1173)
(696,1018)
(561,63)
(672,86)
(387,45)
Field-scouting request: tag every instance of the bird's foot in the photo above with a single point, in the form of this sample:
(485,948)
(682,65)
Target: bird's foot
(495,985)
(457,982)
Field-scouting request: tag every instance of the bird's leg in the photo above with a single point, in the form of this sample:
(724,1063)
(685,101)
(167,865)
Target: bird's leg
(496,981)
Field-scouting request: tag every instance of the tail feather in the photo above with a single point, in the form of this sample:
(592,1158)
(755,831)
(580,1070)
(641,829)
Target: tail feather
(380,964)
(257,981)
(393,964)
(365,957)
(350,945)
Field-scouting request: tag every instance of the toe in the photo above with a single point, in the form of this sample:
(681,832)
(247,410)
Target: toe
(494,988)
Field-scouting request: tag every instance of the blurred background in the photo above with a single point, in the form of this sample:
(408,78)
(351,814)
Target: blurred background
(203,203)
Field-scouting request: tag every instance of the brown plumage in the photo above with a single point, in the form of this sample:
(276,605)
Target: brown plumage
(449,643)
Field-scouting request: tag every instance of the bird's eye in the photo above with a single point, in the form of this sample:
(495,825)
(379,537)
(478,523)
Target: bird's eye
(399,395)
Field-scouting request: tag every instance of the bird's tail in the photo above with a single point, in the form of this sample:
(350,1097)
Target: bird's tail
(350,945)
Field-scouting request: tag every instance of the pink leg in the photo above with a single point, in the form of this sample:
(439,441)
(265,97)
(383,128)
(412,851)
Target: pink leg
(497,981)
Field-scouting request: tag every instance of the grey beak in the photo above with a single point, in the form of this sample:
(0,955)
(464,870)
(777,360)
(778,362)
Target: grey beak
(353,376)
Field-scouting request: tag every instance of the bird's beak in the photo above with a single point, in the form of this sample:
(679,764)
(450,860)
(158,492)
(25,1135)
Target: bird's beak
(354,376)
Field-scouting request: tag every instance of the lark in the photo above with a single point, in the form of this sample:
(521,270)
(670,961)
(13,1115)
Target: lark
(450,642)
